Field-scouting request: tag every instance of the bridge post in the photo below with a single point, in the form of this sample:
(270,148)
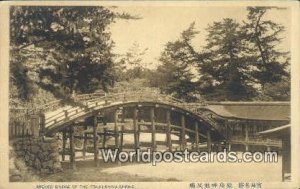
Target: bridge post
(95,124)
(168,120)
(208,141)
(246,137)
(105,98)
(226,129)
(182,140)
(228,134)
(122,137)
(229,146)
(64,140)
(124,98)
(85,135)
(72,147)
(153,129)
(197,135)
(138,125)
(122,128)
(116,129)
(254,128)
(104,138)
(233,128)
(135,128)
(66,114)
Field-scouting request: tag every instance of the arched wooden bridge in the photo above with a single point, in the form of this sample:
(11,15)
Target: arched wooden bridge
(112,116)
(95,104)
(104,119)
(157,113)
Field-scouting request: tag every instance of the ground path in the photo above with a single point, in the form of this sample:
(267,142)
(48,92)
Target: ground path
(199,172)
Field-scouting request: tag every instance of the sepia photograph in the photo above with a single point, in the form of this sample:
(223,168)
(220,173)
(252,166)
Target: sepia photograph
(150,93)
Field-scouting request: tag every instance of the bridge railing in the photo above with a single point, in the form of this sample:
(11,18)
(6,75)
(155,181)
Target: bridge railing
(92,101)
(89,101)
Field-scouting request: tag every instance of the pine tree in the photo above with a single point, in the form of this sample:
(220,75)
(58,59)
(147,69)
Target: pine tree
(132,64)
(226,64)
(68,49)
(174,75)
(270,64)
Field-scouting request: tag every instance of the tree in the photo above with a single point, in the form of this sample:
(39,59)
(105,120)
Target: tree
(132,65)
(270,65)
(67,49)
(226,64)
(20,82)
(278,90)
(174,75)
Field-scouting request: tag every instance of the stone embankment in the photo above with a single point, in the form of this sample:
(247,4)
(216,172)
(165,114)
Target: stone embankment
(39,154)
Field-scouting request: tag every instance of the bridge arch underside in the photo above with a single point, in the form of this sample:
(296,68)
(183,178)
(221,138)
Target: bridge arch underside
(141,117)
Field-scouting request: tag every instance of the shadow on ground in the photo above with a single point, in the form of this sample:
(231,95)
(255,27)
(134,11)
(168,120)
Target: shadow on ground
(86,171)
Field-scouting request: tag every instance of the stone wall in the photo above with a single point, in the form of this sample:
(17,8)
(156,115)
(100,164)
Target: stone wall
(38,153)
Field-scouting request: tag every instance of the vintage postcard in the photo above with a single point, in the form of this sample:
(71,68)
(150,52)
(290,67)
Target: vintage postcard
(149,94)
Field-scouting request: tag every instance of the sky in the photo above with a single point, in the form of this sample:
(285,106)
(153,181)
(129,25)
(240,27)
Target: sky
(161,24)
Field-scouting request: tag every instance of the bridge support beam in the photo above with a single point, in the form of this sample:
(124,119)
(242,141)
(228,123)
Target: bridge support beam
(72,147)
(122,128)
(116,129)
(64,140)
(246,147)
(227,129)
(95,141)
(229,147)
(153,129)
(104,138)
(135,128)
(246,137)
(138,130)
(233,128)
(182,136)
(196,136)
(168,121)
(84,143)
(208,141)
(254,128)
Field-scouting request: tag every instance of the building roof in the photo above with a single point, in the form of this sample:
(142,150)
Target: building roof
(251,110)
(278,132)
